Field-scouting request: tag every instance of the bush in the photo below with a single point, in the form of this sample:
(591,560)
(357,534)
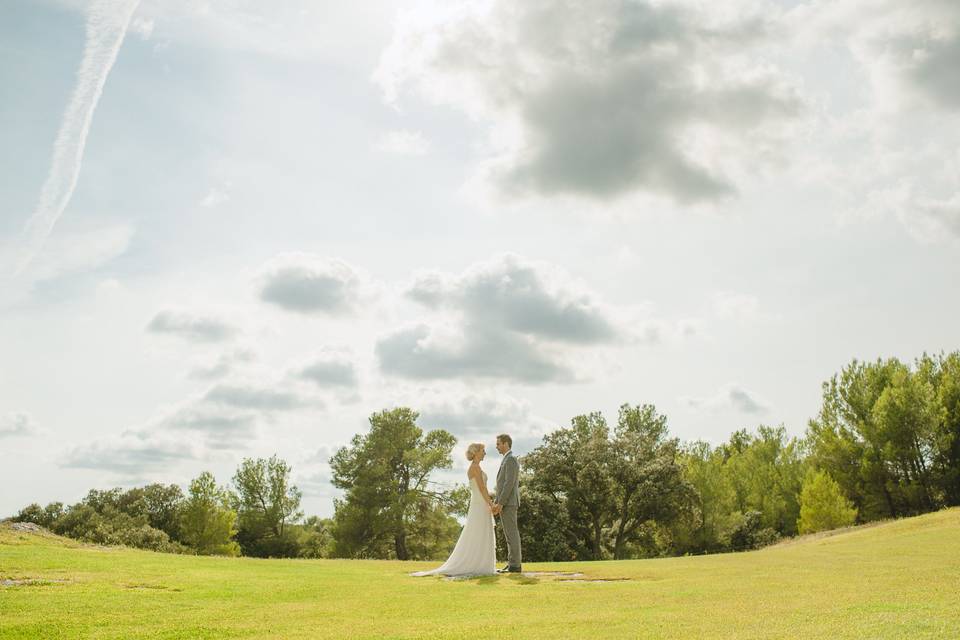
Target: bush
(822,504)
(100,520)
(43,516)
(316,538)
(749,534)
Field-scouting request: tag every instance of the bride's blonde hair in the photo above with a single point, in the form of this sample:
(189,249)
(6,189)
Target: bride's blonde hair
(472,450)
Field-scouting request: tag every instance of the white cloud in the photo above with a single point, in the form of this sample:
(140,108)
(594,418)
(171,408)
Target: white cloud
(17,423)
(143,27)
(216,196)
(894,152)
(106,27)
(730,396)
(293,29)
(189,326)
(740,307)
(403,143)
(76,252)
(474,414)
(224,365)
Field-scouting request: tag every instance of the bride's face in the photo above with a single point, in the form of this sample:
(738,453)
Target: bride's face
(481,454)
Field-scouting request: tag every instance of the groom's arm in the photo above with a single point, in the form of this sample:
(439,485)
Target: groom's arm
(509,480)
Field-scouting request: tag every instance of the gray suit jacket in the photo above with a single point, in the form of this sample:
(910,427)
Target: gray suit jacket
(508,481)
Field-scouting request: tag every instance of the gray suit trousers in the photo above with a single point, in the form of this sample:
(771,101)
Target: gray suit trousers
(508,518)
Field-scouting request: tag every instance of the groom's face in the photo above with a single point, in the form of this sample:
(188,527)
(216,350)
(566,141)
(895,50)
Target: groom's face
(502,447)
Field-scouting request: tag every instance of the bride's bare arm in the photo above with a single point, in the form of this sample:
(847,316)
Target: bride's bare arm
(476,473)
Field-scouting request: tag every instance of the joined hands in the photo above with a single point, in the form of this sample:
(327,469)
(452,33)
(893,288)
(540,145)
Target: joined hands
(495,509)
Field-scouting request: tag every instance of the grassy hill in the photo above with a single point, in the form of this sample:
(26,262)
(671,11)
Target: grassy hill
(898,579)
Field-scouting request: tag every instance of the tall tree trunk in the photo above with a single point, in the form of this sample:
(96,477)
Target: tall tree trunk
(620,543)
(922,473)
(883,482)
(620,540)
(400,544)
(597,531)
(889,498)
(400,533)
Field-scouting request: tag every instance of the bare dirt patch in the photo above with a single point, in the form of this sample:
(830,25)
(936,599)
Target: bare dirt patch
(29,582)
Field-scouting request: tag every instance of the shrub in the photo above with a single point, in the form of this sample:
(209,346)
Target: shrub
(822,504)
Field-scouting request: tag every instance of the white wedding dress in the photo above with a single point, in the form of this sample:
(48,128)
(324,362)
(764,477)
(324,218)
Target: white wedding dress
(476,550)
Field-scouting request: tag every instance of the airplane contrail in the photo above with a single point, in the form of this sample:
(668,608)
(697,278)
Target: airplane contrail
(107,22)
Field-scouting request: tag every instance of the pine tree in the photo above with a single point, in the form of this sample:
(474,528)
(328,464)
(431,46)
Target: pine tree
(822,505)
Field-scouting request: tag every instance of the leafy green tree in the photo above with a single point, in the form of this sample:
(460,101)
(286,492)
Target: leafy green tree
(266,502)
(544,523)
(889,435)
(619,492)
(389,508)
(907,416)
(162,506)
(943,373)
(766,471)
(847,442)
(822,504)
(43,516)
(430,530)
(649,487)
(716,510)
(207,523)
(575,466)
(316,539)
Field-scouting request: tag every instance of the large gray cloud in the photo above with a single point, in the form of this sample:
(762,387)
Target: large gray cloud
(935,69)
(221,429)
(602,98)
(191,327)
(513,320)
(304,283)
(330,371)
(129,455)
(916,44)
(481,353)
(250,396)
(513,294)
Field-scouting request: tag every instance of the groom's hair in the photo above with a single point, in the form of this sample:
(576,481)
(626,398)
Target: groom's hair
(505,438)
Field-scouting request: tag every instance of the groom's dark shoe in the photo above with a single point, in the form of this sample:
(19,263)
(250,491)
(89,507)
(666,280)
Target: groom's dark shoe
(509,569)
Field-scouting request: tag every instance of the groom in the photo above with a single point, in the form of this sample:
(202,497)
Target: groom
(508,501)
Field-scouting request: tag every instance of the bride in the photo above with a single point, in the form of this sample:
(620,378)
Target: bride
(475,553)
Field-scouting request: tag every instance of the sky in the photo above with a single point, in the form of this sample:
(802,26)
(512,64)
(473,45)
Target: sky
(231,229)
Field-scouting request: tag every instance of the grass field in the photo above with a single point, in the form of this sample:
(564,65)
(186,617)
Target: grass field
(898,579)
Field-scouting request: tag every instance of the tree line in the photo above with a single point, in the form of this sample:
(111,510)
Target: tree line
(258,515)
(884,444)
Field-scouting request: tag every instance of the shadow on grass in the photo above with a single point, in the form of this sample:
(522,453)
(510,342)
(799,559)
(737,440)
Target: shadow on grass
(514,578)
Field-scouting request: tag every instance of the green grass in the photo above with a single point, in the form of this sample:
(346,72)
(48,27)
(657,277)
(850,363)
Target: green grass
(898,579)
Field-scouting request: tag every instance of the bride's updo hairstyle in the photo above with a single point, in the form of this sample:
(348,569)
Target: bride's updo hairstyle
(473,449)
